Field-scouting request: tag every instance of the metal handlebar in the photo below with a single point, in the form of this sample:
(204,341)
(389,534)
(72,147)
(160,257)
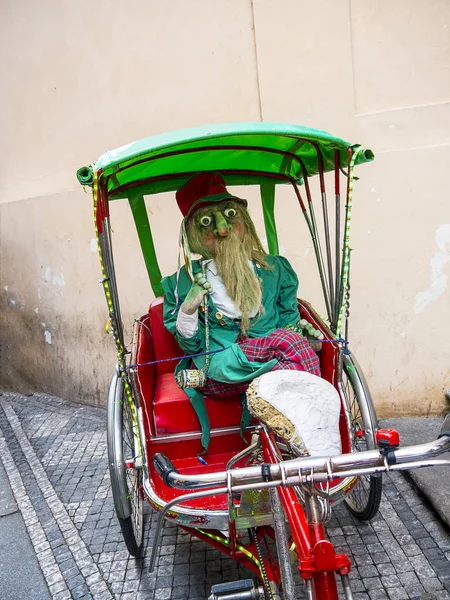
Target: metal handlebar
(313,469)
(298,471)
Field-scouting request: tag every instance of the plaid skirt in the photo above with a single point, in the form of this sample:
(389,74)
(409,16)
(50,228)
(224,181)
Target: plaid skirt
(291,349)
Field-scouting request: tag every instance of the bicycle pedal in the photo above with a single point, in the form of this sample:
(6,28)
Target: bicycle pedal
(244,589)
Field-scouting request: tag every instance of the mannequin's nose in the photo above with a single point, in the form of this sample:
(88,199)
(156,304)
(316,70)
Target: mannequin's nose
(222,227)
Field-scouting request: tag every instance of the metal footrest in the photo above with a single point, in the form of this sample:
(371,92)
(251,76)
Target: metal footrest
(244,589)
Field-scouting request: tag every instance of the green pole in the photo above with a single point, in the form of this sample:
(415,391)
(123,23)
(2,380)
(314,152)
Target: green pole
(140,215)
(268,205)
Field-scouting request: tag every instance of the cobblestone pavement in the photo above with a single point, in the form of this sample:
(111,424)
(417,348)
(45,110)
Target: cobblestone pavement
(54,453)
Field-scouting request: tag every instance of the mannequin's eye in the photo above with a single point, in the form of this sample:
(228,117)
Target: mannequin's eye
(205,221)
(230,212)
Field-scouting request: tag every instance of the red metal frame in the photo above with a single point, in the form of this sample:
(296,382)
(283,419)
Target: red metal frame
(337,183)
(217,540)
(317,559)
(233,147)
(128,186)
(102,203)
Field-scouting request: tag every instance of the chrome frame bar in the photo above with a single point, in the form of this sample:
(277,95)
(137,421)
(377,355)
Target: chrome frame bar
(108,261)
(281,541)
(328,249)
(196,435)
(354,373)
(315,235)
(296,472)
(337,255)
(346,587)
(315,469)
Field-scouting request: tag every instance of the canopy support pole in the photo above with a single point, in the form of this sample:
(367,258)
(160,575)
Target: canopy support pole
(268,205)
(140,215)
(337,192)
(326,229)
(311,223)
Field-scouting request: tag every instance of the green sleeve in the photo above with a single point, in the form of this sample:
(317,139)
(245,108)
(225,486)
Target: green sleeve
(287,297)
(191,345)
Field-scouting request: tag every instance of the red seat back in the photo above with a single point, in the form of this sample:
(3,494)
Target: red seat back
(171,408)
(144,374)
(164,343)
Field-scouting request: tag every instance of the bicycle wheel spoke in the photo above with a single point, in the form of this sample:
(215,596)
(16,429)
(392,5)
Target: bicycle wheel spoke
(133,474)
(125,466)
(363,501)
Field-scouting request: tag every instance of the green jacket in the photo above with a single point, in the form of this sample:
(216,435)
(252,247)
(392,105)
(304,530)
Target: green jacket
(279,298)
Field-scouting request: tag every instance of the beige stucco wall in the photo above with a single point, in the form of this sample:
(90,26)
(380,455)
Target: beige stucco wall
(81,78)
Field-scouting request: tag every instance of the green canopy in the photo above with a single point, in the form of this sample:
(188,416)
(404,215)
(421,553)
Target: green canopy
(245,153)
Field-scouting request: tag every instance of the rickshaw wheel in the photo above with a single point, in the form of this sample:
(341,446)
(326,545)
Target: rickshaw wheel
(126,477)
(364,499)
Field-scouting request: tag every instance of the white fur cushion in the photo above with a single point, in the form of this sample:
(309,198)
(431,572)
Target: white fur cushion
(310,403)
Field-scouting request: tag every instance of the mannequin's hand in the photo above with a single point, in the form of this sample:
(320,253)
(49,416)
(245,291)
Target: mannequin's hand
(199,288)
(316,346)
(313,335)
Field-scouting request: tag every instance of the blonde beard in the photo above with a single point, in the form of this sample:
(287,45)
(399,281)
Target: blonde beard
(241,283)
(231,255)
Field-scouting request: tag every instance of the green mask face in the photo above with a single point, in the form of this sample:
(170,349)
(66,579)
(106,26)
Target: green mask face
(225,232)
(212,223)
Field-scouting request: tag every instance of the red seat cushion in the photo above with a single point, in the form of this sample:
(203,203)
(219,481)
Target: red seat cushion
(174,413)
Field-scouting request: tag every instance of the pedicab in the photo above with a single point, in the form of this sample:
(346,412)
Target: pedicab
(262,491)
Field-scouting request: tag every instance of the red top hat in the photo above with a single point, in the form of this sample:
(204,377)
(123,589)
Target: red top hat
(203,188)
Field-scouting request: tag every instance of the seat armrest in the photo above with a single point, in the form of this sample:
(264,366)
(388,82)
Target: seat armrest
(144,375)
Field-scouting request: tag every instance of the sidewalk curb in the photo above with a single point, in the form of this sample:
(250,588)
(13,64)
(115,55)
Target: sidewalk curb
(431,481)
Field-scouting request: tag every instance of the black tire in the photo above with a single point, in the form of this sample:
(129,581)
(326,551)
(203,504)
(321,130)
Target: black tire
(129,537)
(364,500)
(126,480)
